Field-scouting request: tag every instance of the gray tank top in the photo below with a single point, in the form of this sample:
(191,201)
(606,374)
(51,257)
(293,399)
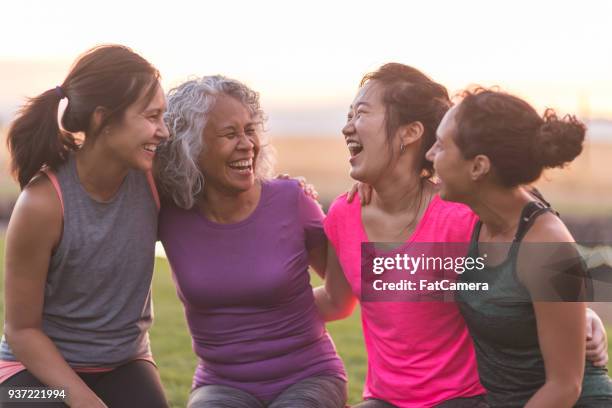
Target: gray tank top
(97,306)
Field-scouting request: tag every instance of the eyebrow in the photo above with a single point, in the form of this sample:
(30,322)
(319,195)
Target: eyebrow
(233,127)
(362,104)
(154,110)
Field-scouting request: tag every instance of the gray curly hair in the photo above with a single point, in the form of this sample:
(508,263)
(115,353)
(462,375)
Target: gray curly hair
(189,104)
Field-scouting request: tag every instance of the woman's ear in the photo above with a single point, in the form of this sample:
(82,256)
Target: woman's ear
(411,133)
(481,166)
(97,118)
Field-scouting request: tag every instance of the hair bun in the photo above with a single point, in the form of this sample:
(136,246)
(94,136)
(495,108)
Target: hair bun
(558,141)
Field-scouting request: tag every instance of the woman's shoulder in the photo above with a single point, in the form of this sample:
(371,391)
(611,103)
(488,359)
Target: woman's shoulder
(282,185)
(448,221)
(548,227)
(342,215)
(341,207)
(451,209)
(38,204)
(42,197)
(284,192)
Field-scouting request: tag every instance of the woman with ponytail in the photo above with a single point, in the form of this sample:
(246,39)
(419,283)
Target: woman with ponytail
(80,242)
(529,326)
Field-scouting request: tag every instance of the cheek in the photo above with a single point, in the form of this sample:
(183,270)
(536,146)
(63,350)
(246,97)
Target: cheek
(438,160)
(256,145)
(208,160)
(138,126)
(442,160)
(217,153)
(375,142)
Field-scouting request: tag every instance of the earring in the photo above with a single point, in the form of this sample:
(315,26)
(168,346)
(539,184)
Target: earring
(402,148)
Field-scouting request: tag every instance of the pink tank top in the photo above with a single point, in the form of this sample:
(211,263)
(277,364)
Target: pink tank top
(419,353)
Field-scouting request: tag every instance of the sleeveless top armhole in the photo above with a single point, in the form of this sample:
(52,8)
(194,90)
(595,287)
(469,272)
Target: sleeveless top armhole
(151,181)
(53,178)
(529,214)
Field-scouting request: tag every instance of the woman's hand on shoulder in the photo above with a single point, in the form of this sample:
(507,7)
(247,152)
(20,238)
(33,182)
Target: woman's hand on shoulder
(308,188)
(364,192)
(597,340)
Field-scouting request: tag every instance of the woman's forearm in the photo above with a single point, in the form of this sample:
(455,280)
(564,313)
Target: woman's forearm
(328,308)
(556,394)
(35,350)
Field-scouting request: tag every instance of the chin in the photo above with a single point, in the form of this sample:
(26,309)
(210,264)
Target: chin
(242,187)
(357,175)
(143,166)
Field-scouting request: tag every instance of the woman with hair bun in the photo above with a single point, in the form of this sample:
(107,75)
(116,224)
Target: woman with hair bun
(81,239)
(528,328)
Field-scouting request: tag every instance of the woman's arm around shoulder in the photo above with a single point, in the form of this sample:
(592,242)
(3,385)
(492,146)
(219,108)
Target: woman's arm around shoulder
(335,299)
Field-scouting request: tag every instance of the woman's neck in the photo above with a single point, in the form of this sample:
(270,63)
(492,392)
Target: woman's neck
(499,210)
(100,174)
(228,207)
(396,209)
(400,194)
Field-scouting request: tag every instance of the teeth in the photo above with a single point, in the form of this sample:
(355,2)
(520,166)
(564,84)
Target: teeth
(354,147)
(241,164)
(150,147)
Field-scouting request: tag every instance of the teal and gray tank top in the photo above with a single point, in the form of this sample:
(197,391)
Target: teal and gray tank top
(97,306)
(503,327)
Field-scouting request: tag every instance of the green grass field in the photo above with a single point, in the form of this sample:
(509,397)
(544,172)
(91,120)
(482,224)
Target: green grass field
(172,344)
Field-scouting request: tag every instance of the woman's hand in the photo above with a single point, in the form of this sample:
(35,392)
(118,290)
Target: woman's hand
(86,399)
(597,340)
(364,190)
(309,189)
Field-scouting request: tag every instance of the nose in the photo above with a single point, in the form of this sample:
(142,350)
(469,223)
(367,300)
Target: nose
(349,128)
(245,143)
(431,153)
(162,131)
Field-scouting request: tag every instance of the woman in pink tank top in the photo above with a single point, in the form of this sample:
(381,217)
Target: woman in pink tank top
(420,354)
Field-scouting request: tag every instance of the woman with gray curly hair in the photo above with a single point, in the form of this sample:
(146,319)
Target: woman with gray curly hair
(240,245)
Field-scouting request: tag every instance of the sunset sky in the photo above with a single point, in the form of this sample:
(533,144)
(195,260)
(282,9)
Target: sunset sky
(306,58)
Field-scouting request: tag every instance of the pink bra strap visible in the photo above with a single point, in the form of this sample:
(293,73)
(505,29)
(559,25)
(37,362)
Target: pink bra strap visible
(151,181)
(53,179)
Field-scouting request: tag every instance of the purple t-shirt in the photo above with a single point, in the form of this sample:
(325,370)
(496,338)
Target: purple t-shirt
(247,294)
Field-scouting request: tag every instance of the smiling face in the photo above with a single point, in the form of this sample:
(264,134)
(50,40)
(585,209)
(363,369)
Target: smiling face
(451,167)
(134,139)
(365,134)
(231,145)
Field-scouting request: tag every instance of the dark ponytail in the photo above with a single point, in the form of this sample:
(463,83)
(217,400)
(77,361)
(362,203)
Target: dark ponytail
(519,143)
(108,76)
(35,139)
